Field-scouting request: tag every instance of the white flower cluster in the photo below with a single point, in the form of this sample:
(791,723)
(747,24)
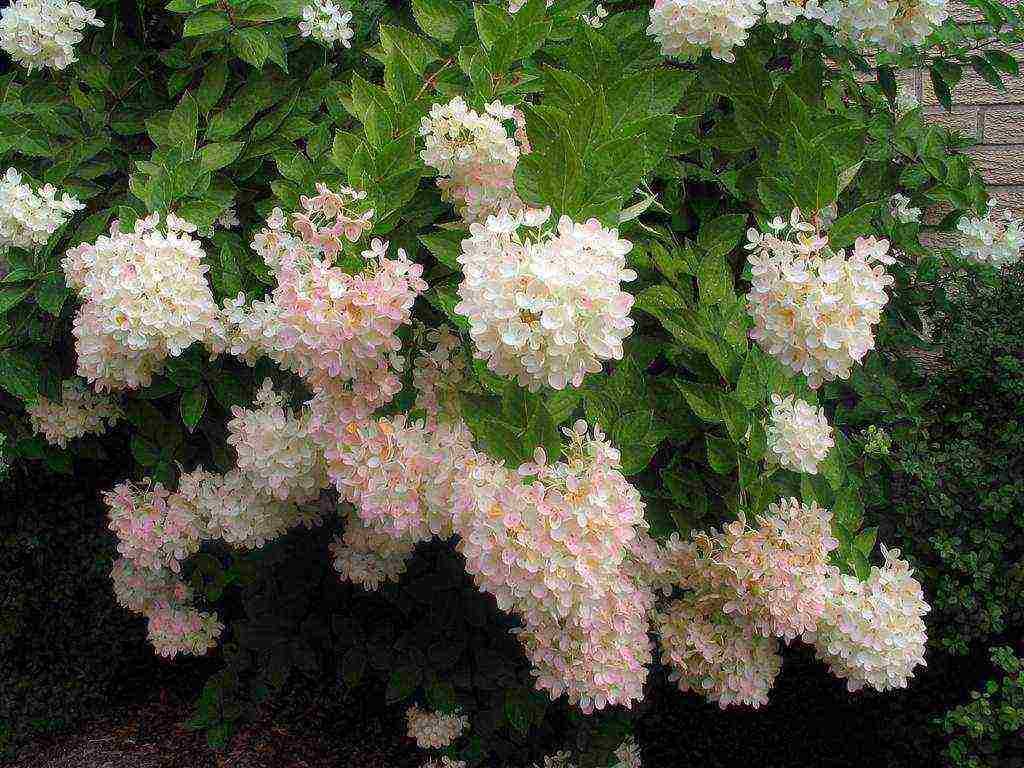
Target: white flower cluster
(686,28)
(546,309)
(434,730)
(43,33)
(814,308)
(327,23)
(799,435)
(79,412)
(888,24)
(28,218)
(873,631)
(474,155)
(368,558)
(145,297)
(902,211)
(274,449)
(987,240)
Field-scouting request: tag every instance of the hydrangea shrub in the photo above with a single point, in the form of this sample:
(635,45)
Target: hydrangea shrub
(567,288)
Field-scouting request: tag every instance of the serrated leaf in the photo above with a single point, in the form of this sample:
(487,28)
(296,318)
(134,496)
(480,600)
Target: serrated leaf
(219,154)
(440,19)
(852,225)
(51,294)
(721,235)
(721,454)
(205,22)
(703,400)
(20,375)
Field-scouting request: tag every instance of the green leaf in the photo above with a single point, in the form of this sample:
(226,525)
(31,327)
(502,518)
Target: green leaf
(20,375)
(211,87)
(12,297)
(703,400)
(720,236)
(721,454)
(446,246)
(852,225)
(735,416)
(517,44)
(183,125)
(402,683)
(714,278)
(251,45)
(219,154)
(205,22)
(440,19)
(193,405)
(51,294)
(750,389)
(144,451)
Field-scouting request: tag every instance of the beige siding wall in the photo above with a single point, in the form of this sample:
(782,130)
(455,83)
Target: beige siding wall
(993,118)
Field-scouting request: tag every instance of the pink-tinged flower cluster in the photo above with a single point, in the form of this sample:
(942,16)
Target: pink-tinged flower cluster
(144,297)
(175,629)
(28,217)
(79,412)
(475,155)
(174,626)
(774,574)
(274,448)
(716,654)
(138,588)
(437,373)
(814,308)
(545,309)
(368,558)
(335,330)
(990,241)
(155,528)
(873,631)
(628,755)
(444,762)
(434,730)
(234,510)
(555,550)
(799,435)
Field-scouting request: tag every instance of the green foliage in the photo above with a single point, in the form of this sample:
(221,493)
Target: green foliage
(196,107)
(986,731)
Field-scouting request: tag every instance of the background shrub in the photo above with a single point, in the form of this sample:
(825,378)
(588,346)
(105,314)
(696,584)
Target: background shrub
(958,482)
